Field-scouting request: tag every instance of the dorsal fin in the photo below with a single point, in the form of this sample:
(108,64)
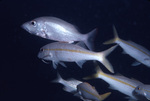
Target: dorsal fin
(81,44)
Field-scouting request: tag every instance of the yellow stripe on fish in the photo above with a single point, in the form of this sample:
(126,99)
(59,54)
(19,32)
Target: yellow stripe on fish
(76,51)
(97,96)
(133,46)
(117,80)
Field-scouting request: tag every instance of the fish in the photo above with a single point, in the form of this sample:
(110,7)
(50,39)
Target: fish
(56,29)
(142,92)
(136,51)
(59,52)
(70,85)
(89,92)
(117,82)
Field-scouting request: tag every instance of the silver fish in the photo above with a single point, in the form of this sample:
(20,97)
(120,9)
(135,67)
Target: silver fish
(142,92)
(59,51)
(136,51)
(89,92)
(70,85)
(57,29)
(117,82)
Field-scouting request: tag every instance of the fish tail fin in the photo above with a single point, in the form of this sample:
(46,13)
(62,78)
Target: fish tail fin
(59,79)
(104,61)
(116,37)
(96,75)
(90,38)
(104,96)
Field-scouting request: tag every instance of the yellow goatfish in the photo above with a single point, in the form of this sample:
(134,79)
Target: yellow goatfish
(136,51)
(86,91)
(59,52)
(117,82)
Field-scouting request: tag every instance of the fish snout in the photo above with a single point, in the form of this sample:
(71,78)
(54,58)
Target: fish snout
(25,26)
(44,56)
(40,55)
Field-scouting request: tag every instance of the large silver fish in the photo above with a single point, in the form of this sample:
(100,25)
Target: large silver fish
(59,51)
(86,91)
(136,51)
(57,29)
(117,82)
(142,92)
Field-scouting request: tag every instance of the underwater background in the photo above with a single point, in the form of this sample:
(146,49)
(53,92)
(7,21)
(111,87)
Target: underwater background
(24,77)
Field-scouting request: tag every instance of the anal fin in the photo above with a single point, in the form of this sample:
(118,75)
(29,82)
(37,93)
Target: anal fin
(80,63)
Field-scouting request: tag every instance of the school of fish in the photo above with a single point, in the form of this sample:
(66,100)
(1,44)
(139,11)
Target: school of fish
(70,48)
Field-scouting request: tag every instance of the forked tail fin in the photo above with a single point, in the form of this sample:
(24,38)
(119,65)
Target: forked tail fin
(116,37)
(90,39)
(104,61)
(96,75)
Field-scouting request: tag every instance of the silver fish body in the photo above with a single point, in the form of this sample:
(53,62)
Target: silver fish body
(118,82)
(70,85)
(58,51)
(138,52)
(89,92)
(142,92)
(57,29)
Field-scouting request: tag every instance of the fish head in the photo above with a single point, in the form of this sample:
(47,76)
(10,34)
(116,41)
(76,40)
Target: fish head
(45,54)
(142,92)
(138,91)
(35,27)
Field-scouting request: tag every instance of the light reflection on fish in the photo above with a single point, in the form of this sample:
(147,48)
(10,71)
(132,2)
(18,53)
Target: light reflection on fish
(136,51)
(57,29)
(86,91)
(59,51)
(117,82)
(142,92)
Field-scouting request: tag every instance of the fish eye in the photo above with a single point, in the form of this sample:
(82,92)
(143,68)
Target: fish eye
(33,23)
(139,88)
(41,50)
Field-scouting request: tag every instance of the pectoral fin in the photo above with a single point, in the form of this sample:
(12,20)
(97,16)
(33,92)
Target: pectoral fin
(136,63)
(62,64)
(54,64)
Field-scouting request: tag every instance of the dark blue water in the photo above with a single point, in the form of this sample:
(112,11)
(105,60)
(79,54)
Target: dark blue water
(24,77)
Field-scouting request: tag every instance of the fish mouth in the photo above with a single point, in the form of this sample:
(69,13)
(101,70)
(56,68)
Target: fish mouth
(45,60)
(44,57)
(23,26)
